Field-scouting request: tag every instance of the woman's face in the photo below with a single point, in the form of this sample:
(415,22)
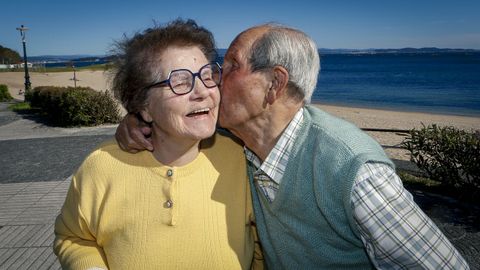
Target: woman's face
(188,117)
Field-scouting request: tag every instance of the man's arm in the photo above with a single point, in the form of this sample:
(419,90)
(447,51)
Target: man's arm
(394,230)
(133,135)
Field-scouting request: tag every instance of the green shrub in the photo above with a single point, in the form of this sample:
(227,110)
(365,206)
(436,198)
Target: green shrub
(4,94)
(46,98)
(448,155)
(81,106)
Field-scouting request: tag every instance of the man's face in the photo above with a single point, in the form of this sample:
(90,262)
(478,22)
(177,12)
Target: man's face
(242,91)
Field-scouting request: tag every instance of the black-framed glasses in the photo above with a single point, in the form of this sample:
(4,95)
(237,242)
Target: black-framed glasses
(182,81)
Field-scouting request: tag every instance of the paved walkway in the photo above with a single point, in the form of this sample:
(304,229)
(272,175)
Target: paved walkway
(27,213)
(36,162)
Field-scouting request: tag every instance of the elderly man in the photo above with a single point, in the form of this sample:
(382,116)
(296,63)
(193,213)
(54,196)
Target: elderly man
(325,195)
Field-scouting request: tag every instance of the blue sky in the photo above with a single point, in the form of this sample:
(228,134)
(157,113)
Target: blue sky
(90,26)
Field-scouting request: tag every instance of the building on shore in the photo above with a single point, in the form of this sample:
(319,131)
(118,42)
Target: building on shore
(13,66)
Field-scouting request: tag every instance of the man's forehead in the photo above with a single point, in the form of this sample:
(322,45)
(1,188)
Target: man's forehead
(252,34)
(236,49)
(245,40)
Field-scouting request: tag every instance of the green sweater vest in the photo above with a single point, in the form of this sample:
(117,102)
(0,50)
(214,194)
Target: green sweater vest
(310,223)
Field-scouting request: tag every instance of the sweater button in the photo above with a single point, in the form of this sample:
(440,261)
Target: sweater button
(169,172)
(168,204)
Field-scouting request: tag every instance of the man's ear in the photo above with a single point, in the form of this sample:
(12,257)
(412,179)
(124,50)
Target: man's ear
(279,84)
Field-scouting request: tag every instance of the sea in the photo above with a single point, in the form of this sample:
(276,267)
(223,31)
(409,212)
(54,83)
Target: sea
(446,83)
(76,63)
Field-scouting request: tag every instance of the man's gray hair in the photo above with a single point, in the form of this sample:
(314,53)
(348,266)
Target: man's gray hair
(292,49)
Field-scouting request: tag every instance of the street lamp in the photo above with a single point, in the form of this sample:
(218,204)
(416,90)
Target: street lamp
(74,74)
(23,31)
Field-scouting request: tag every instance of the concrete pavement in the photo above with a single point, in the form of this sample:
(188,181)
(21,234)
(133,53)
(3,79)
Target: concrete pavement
(36,162)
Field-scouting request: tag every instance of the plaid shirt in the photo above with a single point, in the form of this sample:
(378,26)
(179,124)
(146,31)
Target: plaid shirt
(270,172)
(395,232)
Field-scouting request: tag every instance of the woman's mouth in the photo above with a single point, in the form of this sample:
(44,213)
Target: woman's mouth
(198,112)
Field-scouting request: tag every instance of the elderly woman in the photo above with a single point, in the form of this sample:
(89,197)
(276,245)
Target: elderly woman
(184,205)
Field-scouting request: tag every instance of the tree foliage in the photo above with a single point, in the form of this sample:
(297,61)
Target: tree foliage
(9,56)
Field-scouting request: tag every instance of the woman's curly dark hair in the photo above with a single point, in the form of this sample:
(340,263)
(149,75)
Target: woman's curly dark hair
(136,58)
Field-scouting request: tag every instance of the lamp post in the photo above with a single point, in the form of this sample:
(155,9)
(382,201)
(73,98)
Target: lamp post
(23,31)
(74,76)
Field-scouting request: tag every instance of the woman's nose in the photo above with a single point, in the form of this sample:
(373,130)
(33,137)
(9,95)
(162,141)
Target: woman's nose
(199,89)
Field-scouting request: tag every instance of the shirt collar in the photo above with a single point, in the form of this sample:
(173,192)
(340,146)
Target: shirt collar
(276,161)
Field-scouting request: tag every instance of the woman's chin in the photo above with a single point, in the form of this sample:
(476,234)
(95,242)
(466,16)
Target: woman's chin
(202,129)
(206,134)
(201,133)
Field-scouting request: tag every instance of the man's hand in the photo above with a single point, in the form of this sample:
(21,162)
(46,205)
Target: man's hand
(133,135)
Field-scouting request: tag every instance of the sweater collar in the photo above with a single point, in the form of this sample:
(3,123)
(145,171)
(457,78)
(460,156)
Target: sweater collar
(177,171)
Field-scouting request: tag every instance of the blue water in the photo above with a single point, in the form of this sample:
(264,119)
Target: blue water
(446,83)
(76,63)
(442,83)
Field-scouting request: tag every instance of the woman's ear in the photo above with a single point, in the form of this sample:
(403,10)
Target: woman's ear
(146,116)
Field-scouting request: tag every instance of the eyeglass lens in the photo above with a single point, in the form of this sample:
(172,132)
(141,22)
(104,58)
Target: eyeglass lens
(182,81)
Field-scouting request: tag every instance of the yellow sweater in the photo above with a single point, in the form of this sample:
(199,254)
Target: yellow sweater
(128,211)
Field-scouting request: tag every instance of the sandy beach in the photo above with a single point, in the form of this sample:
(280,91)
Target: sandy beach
(384,119)
(16,80)
(362,117)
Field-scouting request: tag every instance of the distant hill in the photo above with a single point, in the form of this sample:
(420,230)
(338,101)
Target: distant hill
(9,56)
(64,58)
(221,52)
(397,51)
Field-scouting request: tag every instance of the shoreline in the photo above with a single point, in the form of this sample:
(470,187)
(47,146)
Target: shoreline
(99,80)
(413,109)
(362,117)
(372,118)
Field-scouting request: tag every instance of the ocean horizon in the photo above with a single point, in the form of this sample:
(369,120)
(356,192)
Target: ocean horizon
(445,83)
